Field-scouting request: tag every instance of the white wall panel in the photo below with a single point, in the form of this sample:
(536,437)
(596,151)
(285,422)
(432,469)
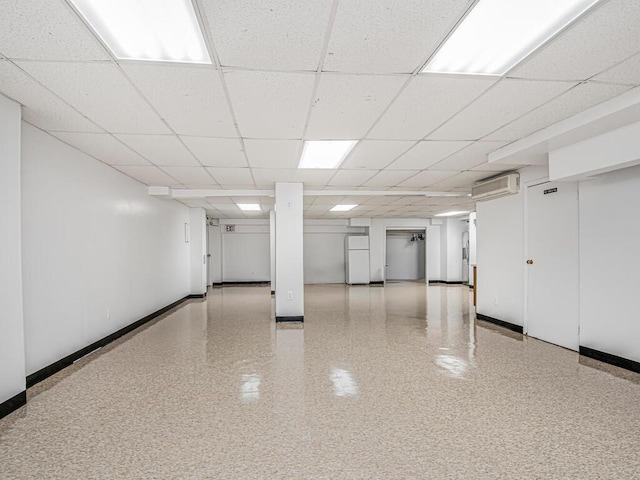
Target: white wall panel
(99,252)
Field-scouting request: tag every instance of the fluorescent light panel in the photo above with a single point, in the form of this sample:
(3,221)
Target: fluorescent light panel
(325,153)
(451,214)
(497,34)
(343,208)
(153,30)
(250,207)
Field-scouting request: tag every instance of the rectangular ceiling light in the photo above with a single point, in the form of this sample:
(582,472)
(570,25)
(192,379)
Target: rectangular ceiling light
(325,153)
(451,214)
(498,34)
(342,208)
(251,207)
(153,30)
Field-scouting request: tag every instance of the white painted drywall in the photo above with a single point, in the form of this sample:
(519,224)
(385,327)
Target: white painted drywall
(405,259)
(198,242)
(289,250)
(433,252)
(215,250)
(609,263)
(500,253)
(12,356)
(454,229)
(472,245)
(272,249)
(324,258)
(245,255)
(99,252)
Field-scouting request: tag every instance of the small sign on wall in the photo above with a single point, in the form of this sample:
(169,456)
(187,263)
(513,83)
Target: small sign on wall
(550,190)
(229,228)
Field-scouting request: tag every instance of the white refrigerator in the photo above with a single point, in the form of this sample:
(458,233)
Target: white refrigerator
(357,260)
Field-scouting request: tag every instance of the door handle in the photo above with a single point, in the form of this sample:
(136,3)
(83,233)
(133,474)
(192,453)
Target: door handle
(529,262)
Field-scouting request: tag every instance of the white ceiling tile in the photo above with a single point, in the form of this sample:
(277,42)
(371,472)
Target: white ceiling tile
(390,178)
(502,104)
(190,99)
(162,150)
(41,107)
(269,176)
(351,178)
(426,178)
(228,177)
(425,154)
(102,146)
(147,175)
(216,152)
(627,72)
(54,32)
(605,37)
(378,36)
(469,157)
(346,106)
(496,167)
(101,92)
(190,175)
(313,177)
(375,154)
(273,153)
(574,101)
(328,199)
(270,104)
(269,34)
(463,179)
(426,103)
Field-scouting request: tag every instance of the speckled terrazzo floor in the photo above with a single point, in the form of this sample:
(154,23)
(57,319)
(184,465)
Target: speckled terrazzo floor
(385,383)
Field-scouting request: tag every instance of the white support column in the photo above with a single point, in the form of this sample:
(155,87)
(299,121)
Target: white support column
(272,247)
(289,253)
(198,240)
(12,354)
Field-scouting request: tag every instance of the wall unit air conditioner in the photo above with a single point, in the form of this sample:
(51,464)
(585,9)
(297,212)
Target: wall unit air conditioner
(496,187)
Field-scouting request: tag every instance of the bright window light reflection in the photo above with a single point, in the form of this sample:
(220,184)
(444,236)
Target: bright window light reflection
(497,34)
(155,30)
(325,153)
(250,387)
(343,383)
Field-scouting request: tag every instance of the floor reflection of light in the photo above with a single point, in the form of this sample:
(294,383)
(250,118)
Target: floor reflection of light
(343,383)
(454,366)
(250,387)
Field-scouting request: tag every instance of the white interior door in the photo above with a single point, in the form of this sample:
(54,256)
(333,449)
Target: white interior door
(553,263)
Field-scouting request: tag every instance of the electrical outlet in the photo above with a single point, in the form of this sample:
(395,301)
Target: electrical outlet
(290,295)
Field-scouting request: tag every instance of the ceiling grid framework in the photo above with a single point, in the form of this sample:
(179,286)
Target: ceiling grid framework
(284,73)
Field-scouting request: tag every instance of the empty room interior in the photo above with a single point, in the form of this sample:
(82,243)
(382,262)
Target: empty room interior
(324,239)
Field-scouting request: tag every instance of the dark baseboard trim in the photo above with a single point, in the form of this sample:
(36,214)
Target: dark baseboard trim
(273,292)
(446,282)
(502,323)
(376,283)
(246,283)
(610,359)
(55,367)
(290,319)
(198,295)
(13,404)
(214,285)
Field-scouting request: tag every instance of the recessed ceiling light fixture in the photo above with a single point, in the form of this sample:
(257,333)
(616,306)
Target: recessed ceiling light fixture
(249,207)
(343,208)
(498,34)
(451,214)
(325,153)
(153,30)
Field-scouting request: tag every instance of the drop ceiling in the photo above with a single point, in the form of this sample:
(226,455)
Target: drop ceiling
(285,72)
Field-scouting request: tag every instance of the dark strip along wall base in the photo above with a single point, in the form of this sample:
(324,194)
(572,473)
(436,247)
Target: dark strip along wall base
(290,319)
(376,284)
(13,404)
(610,359)
(446,282)
(199,295)
(502,323)
(246,283)
(55,367)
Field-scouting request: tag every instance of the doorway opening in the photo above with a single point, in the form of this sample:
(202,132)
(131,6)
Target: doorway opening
(406,254)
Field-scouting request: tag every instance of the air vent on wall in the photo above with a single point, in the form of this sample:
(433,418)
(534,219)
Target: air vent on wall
(496,187)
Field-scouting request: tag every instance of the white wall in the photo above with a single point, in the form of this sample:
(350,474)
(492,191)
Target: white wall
(500,253)
(454,229)
(99,252)
(405,259)
(246,252)
(215,250)
(434,253)
(609,263)
(198,241)
(12,361)
(472,245)
(324,258)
